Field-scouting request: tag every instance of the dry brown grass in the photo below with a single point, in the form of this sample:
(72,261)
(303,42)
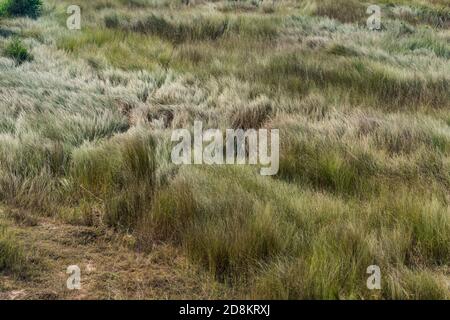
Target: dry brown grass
(110,266)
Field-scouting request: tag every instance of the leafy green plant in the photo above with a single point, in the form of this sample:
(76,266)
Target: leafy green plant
(19,8)
(17,51)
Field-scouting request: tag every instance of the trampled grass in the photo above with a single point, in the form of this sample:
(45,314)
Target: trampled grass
(364,126)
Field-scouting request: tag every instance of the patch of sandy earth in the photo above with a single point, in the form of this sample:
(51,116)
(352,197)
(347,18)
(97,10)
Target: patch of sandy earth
(109,268)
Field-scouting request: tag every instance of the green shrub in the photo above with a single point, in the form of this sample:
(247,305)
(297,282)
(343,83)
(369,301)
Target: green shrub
(344,11)
(120,172)
(17,51)
(21,8)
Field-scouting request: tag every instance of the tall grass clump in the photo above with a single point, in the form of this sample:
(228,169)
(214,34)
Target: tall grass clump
(360,78)
(286,243)
(12,258)
(120,173)
(196,28)
(326,164)
(436,16)
(226,235)
(252,116)
(137,183)
(346,11)
(199,28)
(16,50)
(32,171)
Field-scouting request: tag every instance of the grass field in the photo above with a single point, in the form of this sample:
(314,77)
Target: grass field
(86,118)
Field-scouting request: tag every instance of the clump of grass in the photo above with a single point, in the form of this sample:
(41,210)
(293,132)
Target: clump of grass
(16,8)
(238,6)
(151,3)
(285,247)
(12,258)
(341,50)
(440,48)
(361,78)
(292,279)
(95,168)
(121,174)
(436,16)
(417,285)
(222,236)
(165,223)
(195,28)
(24,217)
(112,21)
(199,28)
(357,185)
(425,224)
(252,116)
(323,164)
(256,28)
(268,7)
(342,10)
(17,51)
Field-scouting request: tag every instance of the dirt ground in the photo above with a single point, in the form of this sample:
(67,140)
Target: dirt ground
(110,266)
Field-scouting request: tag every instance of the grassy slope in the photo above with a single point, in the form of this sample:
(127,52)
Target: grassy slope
(110,268)
(364,117)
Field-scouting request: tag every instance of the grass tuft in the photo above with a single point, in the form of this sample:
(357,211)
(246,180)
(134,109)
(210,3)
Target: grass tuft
(12,258)
(17,51)
(21,8)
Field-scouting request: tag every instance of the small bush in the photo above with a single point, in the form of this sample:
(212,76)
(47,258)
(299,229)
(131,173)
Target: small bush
(21,8)
(18,52)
